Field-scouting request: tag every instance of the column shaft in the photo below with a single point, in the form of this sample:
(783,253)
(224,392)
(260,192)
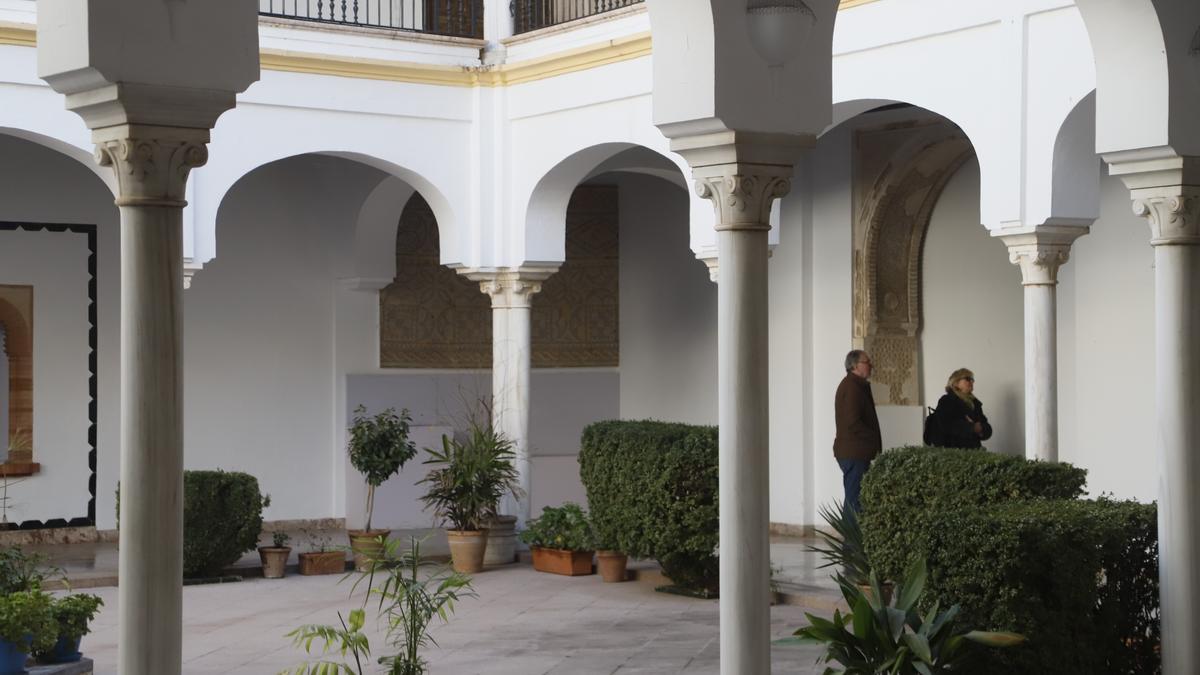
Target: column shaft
(510,394)
(1041,373)
(151,551)
(1177,328)
(744,453)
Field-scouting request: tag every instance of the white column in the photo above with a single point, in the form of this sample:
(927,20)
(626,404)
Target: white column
(1040,252)
(1174,216)
(151,165)
(512,292)
(743,204)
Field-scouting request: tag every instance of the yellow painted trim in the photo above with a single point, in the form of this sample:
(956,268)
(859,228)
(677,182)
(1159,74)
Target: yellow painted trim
(17,34)
(367,69)
(847,4)
(571,61)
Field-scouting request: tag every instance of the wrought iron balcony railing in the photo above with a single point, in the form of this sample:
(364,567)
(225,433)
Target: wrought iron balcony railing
(534,14)
(457,18)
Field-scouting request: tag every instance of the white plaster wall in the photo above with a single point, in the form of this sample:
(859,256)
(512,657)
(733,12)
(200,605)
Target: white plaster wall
(973,312)
(41,185)
(668,309)
(1106,352)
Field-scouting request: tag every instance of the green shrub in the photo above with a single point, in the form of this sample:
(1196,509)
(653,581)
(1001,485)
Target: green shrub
(565,527)
(222,518)
(73,613)
(652,492)
(906,488)
(1080,578)
(25,615)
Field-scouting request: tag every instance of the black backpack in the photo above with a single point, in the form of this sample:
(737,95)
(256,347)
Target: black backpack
(932,435)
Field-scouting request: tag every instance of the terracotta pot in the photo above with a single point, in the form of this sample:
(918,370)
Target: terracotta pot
(561,561)
(367,545)
(467,549)
(885,587)
(502,541)
(612,565)
(274,560)
(322,562)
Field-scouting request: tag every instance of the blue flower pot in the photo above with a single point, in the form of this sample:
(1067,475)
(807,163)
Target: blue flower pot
(66,650)
(13,656)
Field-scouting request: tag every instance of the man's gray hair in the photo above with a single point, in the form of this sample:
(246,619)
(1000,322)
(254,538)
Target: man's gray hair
(853,357)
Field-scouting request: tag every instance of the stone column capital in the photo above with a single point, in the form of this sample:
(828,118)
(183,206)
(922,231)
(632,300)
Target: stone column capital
(1040,251)
(1165,188)
(509,287)
(151,163)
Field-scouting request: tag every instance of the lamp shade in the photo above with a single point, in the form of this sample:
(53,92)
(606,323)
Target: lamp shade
(779,28)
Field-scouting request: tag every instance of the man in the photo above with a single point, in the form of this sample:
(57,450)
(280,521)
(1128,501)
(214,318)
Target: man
(857,440)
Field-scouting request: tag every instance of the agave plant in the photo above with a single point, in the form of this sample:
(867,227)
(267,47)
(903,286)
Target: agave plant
(843,544)
(892,637)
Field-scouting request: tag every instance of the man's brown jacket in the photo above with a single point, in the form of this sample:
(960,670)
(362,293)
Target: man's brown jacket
(857,425)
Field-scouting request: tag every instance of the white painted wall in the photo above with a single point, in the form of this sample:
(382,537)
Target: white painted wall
(973,312)
(41,185)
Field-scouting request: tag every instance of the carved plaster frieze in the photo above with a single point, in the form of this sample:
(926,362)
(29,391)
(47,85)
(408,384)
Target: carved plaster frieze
(151,163)
(1174,218)
(743,200)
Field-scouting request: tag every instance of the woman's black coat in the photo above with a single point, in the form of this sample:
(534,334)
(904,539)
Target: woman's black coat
(956,431)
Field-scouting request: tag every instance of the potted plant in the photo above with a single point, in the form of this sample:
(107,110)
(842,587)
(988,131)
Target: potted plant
(26,625)
(378,448)
(324,558)
(611,563)
(561,540)
(274,557)
(72,613)
(467,480)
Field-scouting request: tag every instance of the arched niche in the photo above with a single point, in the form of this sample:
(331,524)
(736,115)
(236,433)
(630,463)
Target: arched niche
(16,316)
(899,174)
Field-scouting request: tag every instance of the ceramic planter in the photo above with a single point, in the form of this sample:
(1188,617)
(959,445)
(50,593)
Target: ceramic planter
(467,549)
(612,565)
(561,561)
(13,656)
(274,560)
(501,541)
(66,650)
(322,562)
(367,545)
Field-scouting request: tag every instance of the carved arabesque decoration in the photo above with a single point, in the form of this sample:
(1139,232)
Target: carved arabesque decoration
(431,317)
(900,172)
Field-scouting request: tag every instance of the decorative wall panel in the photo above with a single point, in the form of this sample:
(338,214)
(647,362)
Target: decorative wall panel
(431,317)
(899,174)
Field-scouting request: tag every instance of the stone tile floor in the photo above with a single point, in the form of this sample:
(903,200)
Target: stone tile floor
(523,622)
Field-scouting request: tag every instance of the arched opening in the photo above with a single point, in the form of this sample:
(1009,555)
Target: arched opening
(16,321)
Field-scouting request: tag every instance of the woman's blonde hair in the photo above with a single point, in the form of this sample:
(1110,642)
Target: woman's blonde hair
(955,377)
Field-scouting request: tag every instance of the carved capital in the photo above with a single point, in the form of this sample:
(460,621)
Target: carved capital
(743,200)
(511,288)
(1040,251)
(1174,217)
(151,163)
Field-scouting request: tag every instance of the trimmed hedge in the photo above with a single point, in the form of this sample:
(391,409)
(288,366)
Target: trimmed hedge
(908,488)
(222,518)
(652,493)
(1078,578)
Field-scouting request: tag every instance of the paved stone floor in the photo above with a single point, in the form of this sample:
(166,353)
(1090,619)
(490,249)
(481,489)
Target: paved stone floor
(522,623)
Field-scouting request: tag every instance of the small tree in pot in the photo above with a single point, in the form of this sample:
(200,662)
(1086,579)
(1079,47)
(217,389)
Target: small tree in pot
(465,486)
(379,447)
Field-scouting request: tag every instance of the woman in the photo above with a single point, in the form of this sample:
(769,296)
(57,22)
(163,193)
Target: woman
(960,415)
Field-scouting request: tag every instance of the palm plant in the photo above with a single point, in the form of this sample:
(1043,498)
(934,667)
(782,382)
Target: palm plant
(348,639)
(843,544)
(892,637)
(412,593)
(470,477)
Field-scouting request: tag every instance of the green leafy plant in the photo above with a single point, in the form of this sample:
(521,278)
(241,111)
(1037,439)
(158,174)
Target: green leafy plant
(379,448)
(26,615)
(73,613)
(565,527)
(345,640)
(222,518)
(893,638)
(21,571)
(318,540)
(412,592)
(469,477)
(652,493)
(842,544)
(280,539)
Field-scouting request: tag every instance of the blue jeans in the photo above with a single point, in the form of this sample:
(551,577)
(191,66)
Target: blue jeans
(853,471)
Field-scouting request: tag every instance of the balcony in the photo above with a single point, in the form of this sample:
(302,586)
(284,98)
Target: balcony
(455,18)
(530,15)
